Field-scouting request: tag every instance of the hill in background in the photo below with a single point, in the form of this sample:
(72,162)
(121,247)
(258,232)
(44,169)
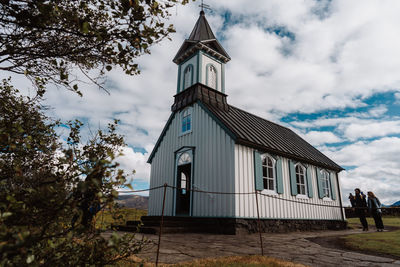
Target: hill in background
(396,204)
(133,201)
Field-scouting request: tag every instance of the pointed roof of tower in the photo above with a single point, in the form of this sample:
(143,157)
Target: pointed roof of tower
(202,30)
(201,38)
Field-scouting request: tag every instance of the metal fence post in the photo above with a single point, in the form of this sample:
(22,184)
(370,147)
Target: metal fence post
(259,226)
(161,224)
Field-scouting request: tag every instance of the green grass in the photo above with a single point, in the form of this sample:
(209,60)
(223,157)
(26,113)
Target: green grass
(104,219)
(388,221)
(381,242)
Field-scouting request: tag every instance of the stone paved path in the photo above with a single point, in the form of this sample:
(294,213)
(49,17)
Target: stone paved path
(291,246)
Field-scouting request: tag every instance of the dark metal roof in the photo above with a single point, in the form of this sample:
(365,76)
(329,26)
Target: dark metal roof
(256,132)
(201,38)
(199,91)
(202,30)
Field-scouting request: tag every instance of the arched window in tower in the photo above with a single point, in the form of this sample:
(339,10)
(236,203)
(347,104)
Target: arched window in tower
(212,76)
(188,76)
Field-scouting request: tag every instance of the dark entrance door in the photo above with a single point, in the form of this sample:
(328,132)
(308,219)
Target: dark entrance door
(183,185)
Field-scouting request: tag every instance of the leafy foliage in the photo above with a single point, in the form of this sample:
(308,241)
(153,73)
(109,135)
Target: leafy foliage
(50,190)
(46,40)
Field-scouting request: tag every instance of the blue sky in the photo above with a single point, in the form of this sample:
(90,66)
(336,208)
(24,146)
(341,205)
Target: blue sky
(329,70)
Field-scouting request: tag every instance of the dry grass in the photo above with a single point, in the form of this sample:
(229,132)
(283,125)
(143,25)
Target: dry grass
(104,218)
(232,261)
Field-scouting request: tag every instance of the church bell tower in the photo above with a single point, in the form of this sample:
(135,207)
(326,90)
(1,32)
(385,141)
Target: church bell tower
(201,59)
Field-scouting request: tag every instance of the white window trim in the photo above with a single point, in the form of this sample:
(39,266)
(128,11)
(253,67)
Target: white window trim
(305,195)
(302,196)
(327,199)
(190,78)
(326,180)
(268,191)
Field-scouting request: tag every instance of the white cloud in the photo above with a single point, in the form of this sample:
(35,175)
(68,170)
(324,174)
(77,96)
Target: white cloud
(397,97)
(369,129)
(376,167)
(132,160)
(321,137)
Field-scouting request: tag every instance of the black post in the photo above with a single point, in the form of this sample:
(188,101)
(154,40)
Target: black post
(259,226)
(161,224)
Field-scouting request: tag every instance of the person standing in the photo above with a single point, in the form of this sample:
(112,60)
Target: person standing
(374,206)
(360,204)
(352,200)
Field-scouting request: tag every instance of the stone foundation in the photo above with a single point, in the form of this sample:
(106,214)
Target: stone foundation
(151,224)
(287,225)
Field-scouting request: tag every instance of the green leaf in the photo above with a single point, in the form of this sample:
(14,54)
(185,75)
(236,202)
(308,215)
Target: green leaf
(30,259)
(6,214)
(85,27)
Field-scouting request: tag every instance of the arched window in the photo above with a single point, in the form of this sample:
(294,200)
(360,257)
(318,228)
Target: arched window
(301,179)
(188,76)
(326,187)
(212,76)
(185,158)
(268,169)
(186,120)
(184,177)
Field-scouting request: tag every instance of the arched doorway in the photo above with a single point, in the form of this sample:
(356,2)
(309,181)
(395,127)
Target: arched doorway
(183,183)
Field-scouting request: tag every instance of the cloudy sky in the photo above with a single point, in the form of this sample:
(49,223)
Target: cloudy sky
(329,70)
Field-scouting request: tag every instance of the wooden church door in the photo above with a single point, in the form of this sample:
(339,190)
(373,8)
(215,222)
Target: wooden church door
(183,184)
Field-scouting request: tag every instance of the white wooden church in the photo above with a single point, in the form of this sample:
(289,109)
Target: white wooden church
(209,145)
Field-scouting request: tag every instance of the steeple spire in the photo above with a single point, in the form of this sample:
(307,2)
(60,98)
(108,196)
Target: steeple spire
(202,30)
(201,38)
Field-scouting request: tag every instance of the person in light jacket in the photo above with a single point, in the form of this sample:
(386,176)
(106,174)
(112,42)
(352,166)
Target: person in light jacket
(374,206)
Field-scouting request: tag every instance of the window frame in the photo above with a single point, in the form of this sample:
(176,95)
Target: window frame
(326,184)
(185,113)
(273,160)
(191,76)
(208,66)
(298,182)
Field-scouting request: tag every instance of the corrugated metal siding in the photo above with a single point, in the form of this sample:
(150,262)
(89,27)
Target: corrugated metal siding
(213,166)
(272,207)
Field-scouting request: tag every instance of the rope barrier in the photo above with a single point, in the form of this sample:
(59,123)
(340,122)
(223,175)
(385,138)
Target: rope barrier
(143,190)
(212,192)
(254,192)
(241,193)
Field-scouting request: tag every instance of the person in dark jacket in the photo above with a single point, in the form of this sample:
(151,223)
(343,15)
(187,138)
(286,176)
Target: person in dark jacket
(352,200)
(360,204)
(374,206)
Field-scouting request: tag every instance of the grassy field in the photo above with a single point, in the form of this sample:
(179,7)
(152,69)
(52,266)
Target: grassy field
(233,261)
(381,242)
(105,218)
